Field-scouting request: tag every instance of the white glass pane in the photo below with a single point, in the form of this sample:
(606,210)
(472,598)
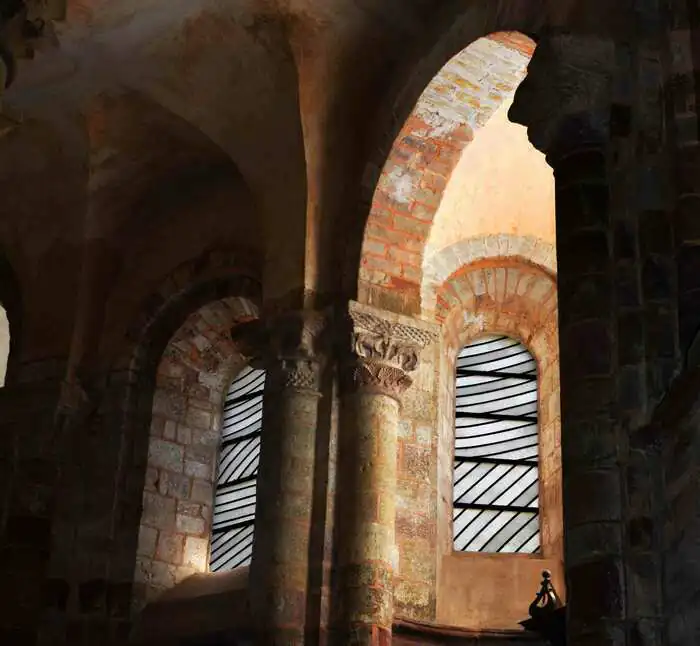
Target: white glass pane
(496,481)
(239,458)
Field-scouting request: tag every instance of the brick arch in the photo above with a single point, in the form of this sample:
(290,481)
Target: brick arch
(438,267)
(126,410)
(458,101)
(498,285)
(192,377)
(519,300)
(216,273)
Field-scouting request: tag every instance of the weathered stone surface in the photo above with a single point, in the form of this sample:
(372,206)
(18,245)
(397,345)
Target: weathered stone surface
(196,553)
(132,242)
(167,455)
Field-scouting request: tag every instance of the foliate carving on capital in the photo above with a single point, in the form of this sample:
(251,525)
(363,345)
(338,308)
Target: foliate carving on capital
(390,343)
(384,351)
(372,375)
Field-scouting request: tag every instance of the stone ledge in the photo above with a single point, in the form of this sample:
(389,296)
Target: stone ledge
(203,604)
(408,632)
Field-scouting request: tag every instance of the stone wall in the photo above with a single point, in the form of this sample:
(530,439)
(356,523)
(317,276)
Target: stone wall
(502,296)
(676,430)
(192,377)
(33,458)
(516,300)
(416,503)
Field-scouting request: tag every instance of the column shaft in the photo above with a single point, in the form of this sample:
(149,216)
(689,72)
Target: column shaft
(592,442)
(279,568)
(368,508)
(384,349)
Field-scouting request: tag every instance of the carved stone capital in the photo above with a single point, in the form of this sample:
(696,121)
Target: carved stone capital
(384,350)
(292,347)
(367,376)
(298,373)
(565,100)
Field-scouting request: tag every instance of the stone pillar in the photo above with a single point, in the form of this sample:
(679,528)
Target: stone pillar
(285,496)
(593,438)
(681,233)
(385,350)
(566,101)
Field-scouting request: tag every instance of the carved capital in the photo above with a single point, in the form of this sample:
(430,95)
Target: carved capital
(298,373)
(292,347)
(367,375)
(384,350)
(565,100)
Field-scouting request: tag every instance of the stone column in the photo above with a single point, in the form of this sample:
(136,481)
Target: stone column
(285,495)
(567,103)
(677,250)
(385,350)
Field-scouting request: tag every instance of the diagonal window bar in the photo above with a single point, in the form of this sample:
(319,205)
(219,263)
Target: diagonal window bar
(496,479)
(235,492)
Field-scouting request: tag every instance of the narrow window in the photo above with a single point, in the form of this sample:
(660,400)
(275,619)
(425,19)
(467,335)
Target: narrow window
(4,344)
(239,456)
(496,483)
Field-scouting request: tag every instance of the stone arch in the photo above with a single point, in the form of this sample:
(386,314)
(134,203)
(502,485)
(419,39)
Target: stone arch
(514,299)
(416,171)
(140,150)
(449,32)
(498,285)
(438,267)
(196,367)
(133,383)
(223,270)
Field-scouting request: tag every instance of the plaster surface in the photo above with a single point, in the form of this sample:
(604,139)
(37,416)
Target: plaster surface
(501,185)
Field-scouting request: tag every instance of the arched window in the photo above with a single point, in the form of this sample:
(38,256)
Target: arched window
(4,344)
(496,481)
(239,456)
